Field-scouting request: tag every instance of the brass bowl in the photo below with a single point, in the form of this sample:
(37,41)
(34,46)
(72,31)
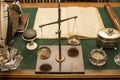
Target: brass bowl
(44,53)
(74,40)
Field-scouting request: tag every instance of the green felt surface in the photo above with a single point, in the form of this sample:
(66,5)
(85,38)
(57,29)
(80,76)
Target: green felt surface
(29,57)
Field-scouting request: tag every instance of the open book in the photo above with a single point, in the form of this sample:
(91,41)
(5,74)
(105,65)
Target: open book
(87,24)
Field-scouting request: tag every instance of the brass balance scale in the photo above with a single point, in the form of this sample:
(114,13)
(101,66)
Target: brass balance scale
(61,58)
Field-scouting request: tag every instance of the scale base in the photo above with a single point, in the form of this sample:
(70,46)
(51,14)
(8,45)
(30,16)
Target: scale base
(73,62)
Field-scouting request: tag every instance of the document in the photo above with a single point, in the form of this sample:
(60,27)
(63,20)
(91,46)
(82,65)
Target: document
(86,25)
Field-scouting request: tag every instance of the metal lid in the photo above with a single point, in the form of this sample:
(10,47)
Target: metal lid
(109,33)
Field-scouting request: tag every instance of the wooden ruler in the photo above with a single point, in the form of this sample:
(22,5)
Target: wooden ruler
(113,16)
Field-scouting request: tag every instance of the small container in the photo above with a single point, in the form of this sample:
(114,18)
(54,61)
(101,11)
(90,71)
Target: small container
(108,38)
(74,40)
(97,57)
(44,53)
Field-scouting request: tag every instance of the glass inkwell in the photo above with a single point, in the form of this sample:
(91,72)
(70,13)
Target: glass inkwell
(97,57)
(117,59)
(9,59)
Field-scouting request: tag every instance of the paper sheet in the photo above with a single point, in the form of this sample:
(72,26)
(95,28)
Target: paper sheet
(87,23)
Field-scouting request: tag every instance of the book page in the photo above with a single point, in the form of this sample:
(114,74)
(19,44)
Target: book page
(87,24)
(48,15)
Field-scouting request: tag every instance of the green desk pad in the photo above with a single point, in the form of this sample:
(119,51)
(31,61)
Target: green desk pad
(30,57)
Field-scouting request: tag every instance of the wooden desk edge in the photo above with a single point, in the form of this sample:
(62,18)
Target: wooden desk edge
(82,4)
(88,74)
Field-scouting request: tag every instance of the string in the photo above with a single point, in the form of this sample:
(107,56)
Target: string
(74,26)
(41,32)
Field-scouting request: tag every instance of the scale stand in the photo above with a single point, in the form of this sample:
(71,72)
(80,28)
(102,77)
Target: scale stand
(60,58)
(48,60)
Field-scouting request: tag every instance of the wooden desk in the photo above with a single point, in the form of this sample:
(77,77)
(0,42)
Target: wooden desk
(68,4)
(89,74)
(83,4)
